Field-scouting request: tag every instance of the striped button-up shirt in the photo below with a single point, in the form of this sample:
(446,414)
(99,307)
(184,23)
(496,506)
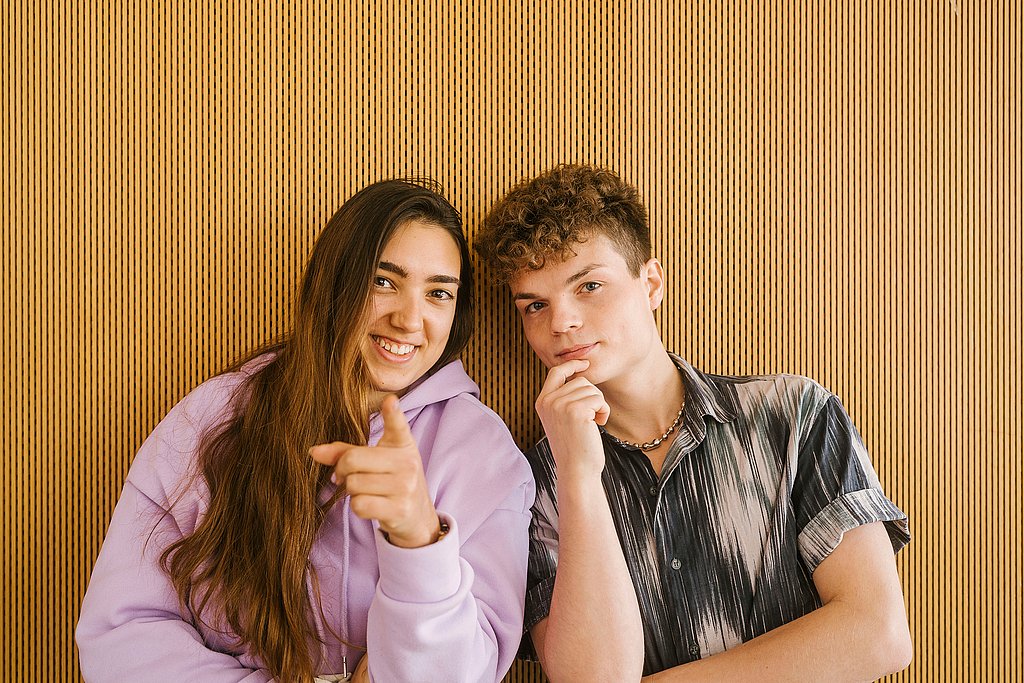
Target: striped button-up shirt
(762,479)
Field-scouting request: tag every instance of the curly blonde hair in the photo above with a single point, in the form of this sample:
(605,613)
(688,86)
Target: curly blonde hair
(545,217)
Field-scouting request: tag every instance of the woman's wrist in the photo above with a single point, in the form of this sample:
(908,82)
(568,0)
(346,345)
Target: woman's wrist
(432,535)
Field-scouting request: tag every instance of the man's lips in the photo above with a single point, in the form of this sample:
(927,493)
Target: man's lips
(574,352)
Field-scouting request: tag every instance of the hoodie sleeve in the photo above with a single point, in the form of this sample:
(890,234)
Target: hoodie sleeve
(131,626)
(453,610)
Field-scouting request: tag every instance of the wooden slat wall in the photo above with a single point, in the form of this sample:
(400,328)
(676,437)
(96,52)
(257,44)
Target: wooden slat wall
(835,189)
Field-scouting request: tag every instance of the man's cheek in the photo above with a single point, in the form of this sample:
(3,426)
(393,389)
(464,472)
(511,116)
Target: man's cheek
(541,353)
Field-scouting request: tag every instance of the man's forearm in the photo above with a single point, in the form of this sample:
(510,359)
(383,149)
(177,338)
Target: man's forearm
(835,643)
(859,634)
(594,617)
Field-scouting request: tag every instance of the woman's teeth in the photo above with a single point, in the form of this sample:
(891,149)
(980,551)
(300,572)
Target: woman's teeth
(393,347)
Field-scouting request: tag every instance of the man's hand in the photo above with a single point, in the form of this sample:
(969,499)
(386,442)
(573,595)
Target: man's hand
(571,408)
(593,592)
(386,482)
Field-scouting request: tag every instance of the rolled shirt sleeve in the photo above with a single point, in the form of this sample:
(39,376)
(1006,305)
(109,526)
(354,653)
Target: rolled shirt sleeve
(836,488)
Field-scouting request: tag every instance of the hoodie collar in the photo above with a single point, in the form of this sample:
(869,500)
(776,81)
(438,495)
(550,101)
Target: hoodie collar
(440,385)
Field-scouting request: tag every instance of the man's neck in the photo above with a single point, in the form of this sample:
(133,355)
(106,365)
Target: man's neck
(645,402)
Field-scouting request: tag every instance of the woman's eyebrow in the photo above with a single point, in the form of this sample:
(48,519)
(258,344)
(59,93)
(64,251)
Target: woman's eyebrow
(393,268)
(402,272)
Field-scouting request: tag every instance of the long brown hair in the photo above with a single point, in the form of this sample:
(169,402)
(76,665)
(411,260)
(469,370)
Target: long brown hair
(245,565)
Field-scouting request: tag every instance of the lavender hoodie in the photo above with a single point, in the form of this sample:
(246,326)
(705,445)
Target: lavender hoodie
(451,611)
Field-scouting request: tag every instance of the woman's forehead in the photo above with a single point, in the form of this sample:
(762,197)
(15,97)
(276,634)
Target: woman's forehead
(418,247)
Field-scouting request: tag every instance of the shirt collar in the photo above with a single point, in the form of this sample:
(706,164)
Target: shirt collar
(704,398)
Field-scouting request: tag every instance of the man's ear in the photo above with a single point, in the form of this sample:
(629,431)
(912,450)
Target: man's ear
(653,276)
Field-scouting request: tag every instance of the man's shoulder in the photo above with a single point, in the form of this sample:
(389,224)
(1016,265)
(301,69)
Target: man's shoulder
(543,465)
(540,458)
(541,449)
(783,391)
(780,379)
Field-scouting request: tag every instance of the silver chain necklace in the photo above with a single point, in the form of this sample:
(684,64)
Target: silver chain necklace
(649,445)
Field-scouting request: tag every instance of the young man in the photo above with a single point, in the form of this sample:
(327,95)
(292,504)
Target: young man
(687,526)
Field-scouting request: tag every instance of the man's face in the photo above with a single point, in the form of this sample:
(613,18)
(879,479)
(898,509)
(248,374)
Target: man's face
(591,306)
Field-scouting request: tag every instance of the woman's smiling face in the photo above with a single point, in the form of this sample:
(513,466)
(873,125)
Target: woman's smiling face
(412,306)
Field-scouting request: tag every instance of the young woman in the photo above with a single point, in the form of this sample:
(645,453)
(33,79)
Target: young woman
(292,514)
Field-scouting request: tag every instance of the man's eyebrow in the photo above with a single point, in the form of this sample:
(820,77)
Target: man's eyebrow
(399,270)
(579,275)
(583,273)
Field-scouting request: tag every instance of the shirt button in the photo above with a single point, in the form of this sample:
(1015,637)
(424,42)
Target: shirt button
(676,564)
(653,490)
(694,650)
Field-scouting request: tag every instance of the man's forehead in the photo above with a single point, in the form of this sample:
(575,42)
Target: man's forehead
(559,270)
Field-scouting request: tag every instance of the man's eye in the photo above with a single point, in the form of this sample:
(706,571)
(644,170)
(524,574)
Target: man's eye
(591,286)
(533,307)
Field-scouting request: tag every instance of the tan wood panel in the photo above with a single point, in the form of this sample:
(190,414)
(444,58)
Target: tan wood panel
(835,189)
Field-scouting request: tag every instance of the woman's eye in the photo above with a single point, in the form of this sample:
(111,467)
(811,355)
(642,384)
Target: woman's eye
(381,281)
(442,294)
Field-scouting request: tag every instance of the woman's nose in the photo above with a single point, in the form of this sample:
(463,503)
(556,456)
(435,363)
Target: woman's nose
(408,314)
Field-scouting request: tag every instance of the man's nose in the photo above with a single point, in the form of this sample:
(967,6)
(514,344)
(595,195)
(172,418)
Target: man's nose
(565,317)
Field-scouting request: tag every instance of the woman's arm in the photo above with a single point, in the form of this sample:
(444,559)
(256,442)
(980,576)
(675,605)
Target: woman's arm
(131,627)
(452,610)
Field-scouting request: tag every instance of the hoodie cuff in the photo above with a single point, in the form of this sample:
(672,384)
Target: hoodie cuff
(431,573)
